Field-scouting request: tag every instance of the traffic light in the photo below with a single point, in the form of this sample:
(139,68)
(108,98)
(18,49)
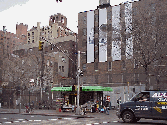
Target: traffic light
(58,0)
(81,73)
(73,88)
(81,88)
(41,45)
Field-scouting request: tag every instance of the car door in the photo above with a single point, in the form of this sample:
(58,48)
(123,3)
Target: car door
(143,108)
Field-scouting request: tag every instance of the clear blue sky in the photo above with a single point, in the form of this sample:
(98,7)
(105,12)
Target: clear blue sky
(32,11)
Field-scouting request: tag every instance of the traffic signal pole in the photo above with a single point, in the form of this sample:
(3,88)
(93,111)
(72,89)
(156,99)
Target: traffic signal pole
(78,108)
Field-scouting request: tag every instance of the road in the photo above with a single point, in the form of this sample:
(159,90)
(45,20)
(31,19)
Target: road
(45,118)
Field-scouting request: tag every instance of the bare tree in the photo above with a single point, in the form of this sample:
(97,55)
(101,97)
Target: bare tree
(149,41)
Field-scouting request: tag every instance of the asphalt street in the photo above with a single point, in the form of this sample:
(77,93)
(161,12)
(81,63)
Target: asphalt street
(50,117)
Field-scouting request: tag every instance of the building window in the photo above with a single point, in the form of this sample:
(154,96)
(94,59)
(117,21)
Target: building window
(59,68)
(32,41)
(109,66)
(22,61)
(28,42)
(47,62)
(84,67)
(28,34)
(32,37)
(32,33)
(51,63)
(62,68)
(62,19)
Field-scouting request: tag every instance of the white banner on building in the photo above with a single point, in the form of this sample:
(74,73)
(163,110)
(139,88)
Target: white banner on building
(90,36)
(102,35)
(128,25)
(116,36)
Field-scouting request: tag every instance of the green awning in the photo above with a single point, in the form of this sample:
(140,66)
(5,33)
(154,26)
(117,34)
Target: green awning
(61,89)
(96,88)
(108,89)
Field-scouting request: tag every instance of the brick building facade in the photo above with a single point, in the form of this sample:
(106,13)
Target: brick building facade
(122,49)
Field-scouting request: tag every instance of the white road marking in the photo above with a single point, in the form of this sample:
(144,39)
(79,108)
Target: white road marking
(32,116)
(7,122)
(67,118)
(4,118)
(88,124)
(96,123)
(104,122)
(16,121)
(20,119)
(52,119)
(30,120)
(115,121)
(37,120)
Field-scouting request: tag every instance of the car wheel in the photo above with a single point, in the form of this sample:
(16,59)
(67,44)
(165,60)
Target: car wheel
(128,117)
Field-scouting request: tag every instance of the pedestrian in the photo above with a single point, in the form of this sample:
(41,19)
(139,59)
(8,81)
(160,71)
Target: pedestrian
(106,109)
(104,101)
(119,101)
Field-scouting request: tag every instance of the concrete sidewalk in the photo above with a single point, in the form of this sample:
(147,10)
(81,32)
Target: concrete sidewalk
(55,113)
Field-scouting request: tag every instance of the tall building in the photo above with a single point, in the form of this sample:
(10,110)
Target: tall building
(118,41)
(57,28)
(21,29)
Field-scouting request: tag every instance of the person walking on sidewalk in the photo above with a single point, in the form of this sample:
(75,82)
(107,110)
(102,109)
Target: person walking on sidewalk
(105,106)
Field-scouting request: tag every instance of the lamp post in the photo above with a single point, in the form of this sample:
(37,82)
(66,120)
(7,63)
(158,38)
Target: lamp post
(78,108)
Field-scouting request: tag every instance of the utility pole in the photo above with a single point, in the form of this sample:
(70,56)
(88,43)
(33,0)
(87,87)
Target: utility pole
(78,108)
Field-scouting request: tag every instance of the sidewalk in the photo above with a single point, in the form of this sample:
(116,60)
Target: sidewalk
(54,113)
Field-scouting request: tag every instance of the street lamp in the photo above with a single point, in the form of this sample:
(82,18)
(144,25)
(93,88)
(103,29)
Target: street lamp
(78,91)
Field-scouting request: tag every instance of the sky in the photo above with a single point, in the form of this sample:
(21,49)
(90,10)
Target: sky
(32,11)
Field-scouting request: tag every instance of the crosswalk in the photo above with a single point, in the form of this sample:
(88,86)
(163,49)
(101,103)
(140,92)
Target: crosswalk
(56,121)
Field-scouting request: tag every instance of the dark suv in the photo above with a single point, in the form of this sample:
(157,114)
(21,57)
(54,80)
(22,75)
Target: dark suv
(146,104)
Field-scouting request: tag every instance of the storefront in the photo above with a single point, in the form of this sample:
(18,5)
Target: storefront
(93,94)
